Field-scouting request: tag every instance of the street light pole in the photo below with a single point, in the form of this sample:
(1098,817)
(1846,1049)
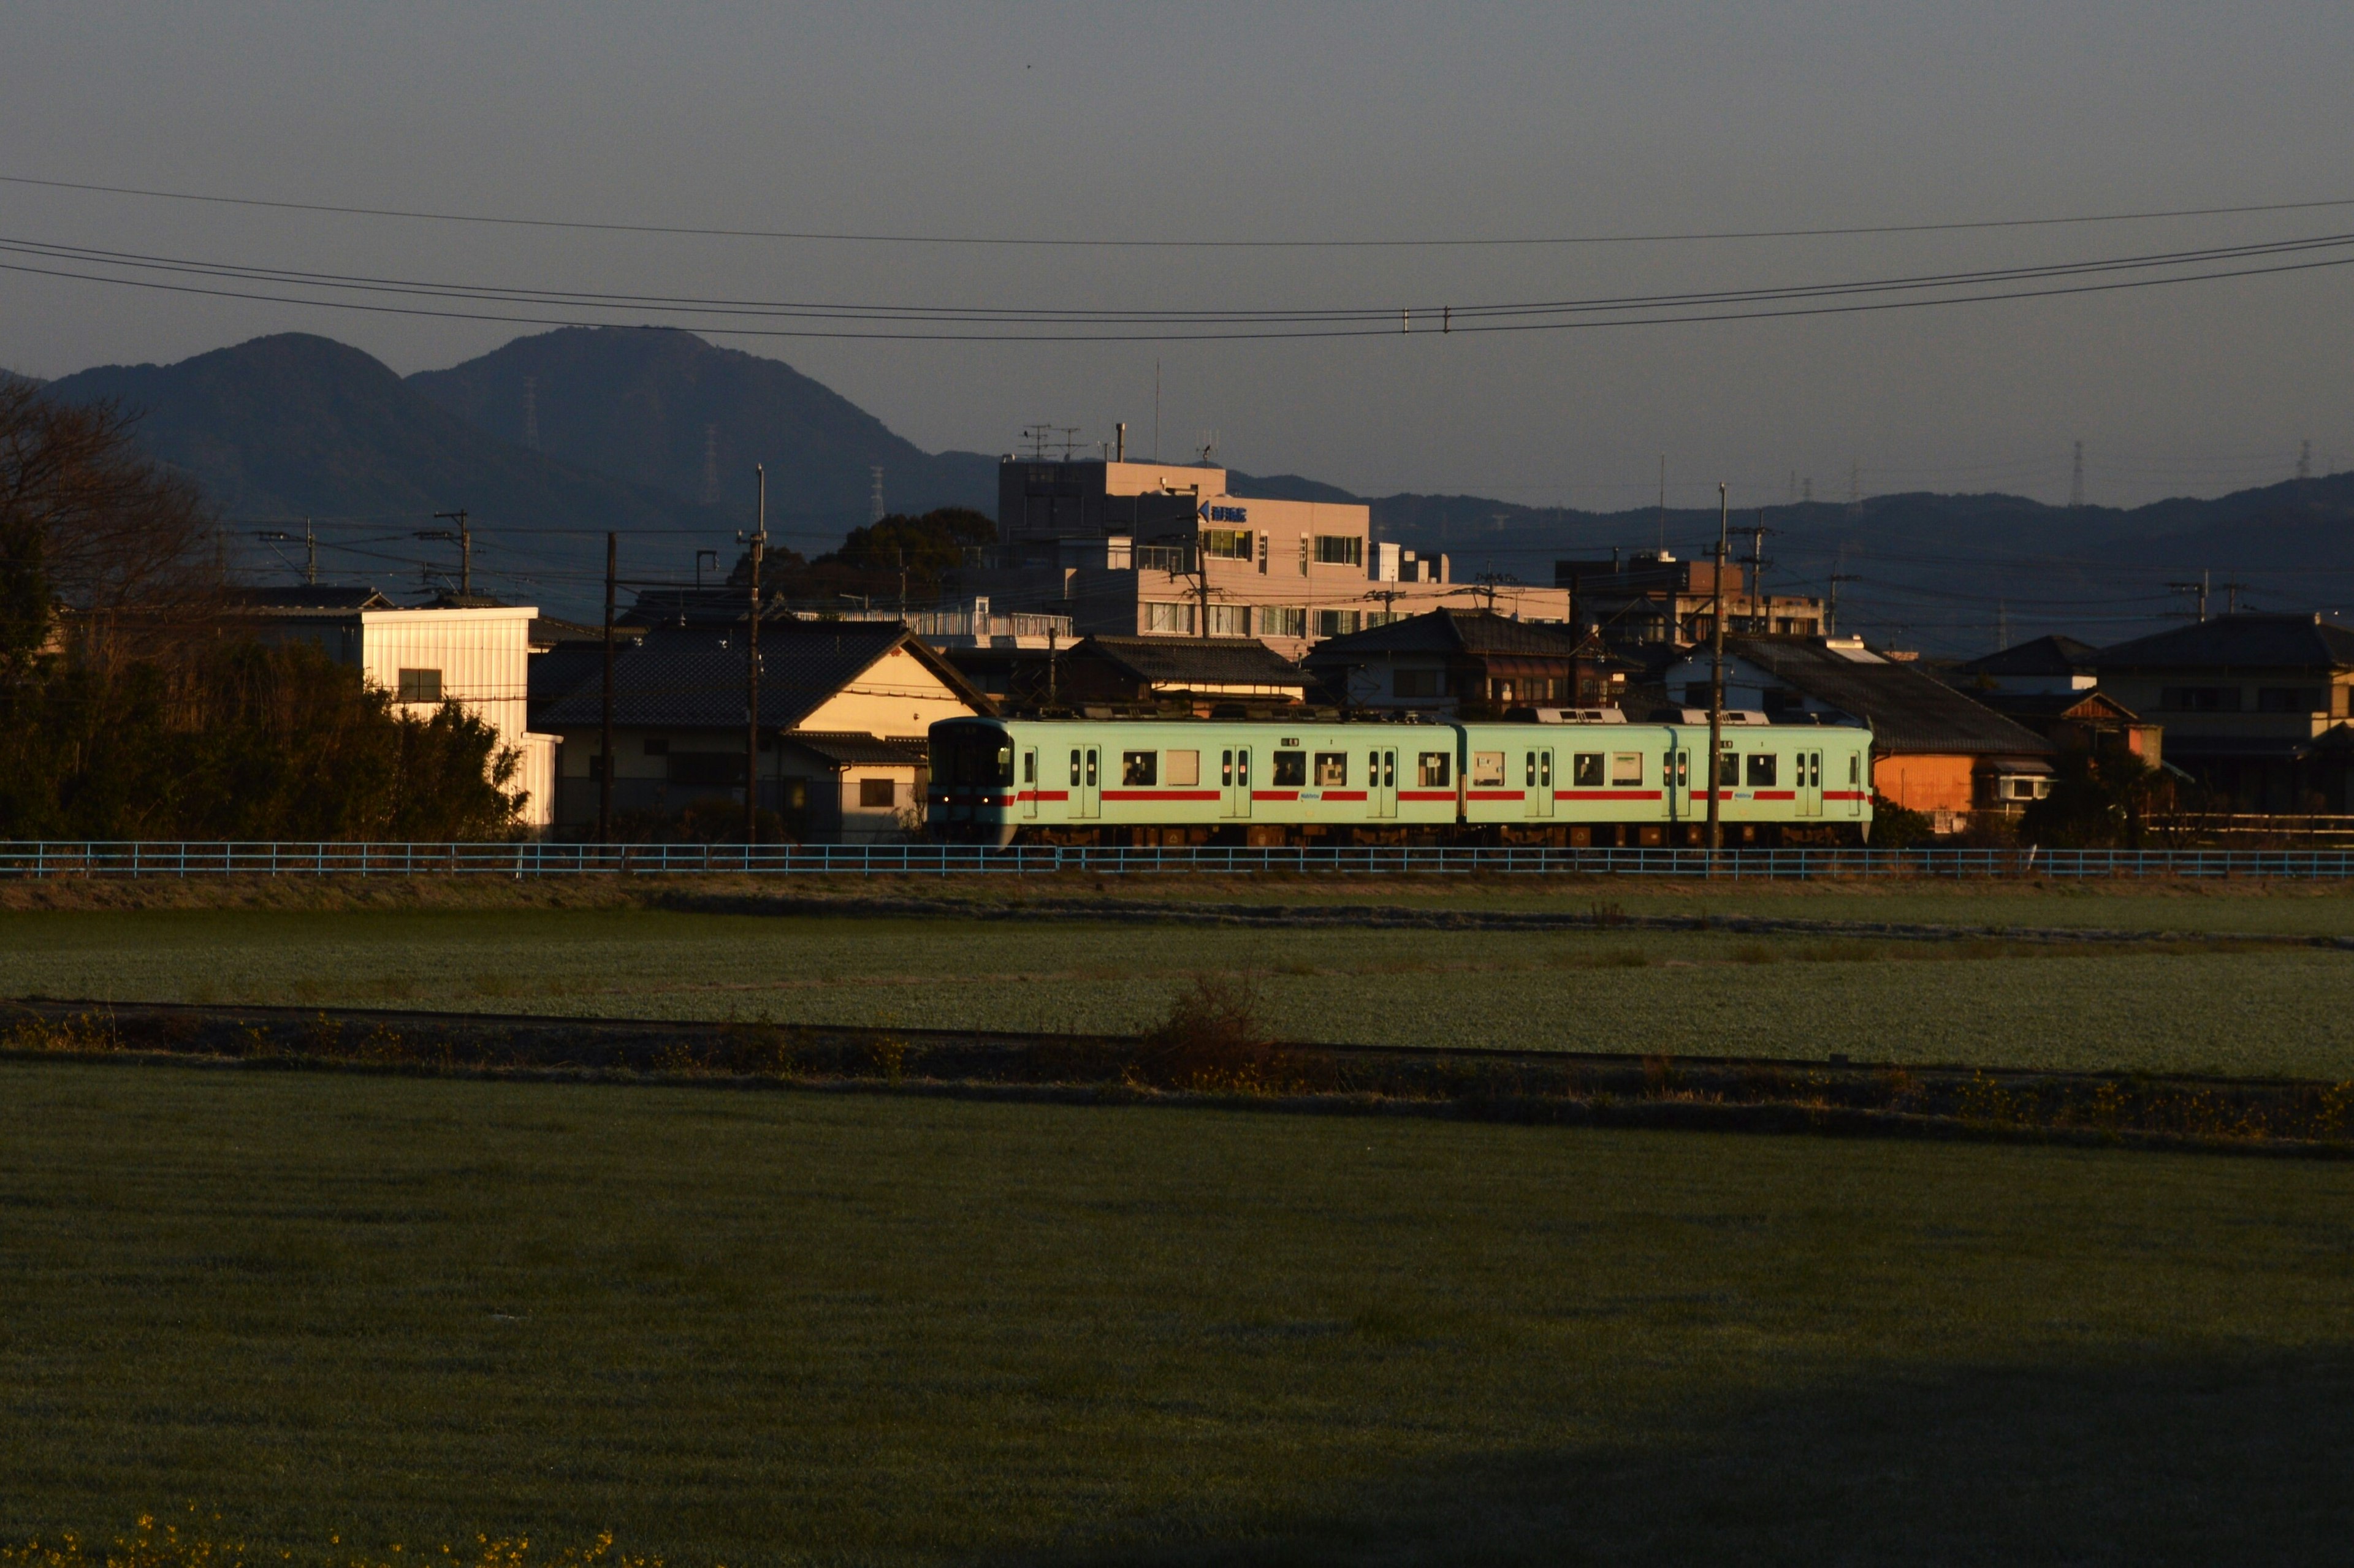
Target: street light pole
(758,547)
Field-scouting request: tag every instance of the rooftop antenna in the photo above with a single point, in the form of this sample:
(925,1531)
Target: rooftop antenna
(875,513)
(531,412)
(1037,436)
(710,465)
(1070,434)
(2076,480)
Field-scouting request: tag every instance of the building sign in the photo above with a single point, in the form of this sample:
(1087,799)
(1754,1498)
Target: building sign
(1226,514)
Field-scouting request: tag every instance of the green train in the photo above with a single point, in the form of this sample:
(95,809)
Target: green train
(1339,782)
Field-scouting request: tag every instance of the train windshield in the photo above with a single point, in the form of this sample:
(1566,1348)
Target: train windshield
(973,756)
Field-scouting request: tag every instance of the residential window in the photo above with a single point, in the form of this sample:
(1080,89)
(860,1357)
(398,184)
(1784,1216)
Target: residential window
(1139,767)
(2292,699)
(1278,620)
(1418,683)
(877,794)
(2200,699)
(1169,618)
(421,686)
(1432,769)
(1184,767)
(1336,622)
(1499,691)
(1761,771)
(1227,543)
(1585,770)
(1290,769)
(1340,550)
(1331,769)
(1625,768)
(1230,620)
(1487,768)
(1303,554)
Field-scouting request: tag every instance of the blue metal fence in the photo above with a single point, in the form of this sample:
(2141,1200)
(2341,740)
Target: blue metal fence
(519,860)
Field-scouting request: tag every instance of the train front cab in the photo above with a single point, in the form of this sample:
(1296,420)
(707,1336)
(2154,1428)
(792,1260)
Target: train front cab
(970,797)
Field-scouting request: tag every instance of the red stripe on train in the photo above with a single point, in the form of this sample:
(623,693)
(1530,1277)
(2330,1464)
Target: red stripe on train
(1160,794)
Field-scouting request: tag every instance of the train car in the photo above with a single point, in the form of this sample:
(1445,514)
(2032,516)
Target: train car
(1191,782)
(1628,785)
(1180,781)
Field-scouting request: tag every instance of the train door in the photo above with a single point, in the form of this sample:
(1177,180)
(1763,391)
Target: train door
(1029,786)
(1086,767)
(1234,782)
(1858,791)
(1381,781)
(1810,784)
(1537,781)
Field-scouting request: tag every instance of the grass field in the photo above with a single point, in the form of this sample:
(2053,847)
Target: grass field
(2184,1008)
(772,1328)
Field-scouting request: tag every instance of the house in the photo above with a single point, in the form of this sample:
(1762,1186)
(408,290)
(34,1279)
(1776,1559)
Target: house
(2049,686)
(1653,597)
(845,711)
(2255,706)
(1436,663)
(1166,550)
(477,655)
(1201,673)
(1934,749)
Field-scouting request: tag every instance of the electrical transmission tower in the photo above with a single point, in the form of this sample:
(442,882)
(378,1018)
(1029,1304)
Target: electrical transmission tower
(2304,460)
(875,497)
(711,465)
(531,412)
(2076,479)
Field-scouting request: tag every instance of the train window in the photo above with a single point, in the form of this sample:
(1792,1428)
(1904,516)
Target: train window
(1529,770)
(1544,769)
(1585,769)
(1075,767)
(1029,767)
(1091,768)
(1227,768)
(1854,768)
(1184,767)
(1139,767)
(1728,769)
(1625,768)
(1433,769)
(1759,769)
(1331,768)
(1487,768)
(1291,768)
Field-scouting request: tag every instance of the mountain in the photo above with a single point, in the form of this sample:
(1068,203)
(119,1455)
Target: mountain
(667,411)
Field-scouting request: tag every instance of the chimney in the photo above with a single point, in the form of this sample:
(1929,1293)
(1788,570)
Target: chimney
(1119,443)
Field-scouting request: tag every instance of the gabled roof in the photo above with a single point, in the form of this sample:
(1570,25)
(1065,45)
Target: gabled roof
(2094,703)
(692,677)
(1476,632)
(2044,656)
(845,749)
(1908,709)
(1177,661)
(2237,642)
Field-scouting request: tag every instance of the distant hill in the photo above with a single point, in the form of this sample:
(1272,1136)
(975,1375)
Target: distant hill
(669,411)
(295,426)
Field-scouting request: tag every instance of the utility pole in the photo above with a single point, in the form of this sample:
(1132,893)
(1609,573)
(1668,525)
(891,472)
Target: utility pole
(1663,505)
(2197,590)
(310,542)
(1830,611)
(757,547)
(1716,685)
(605,754)
(465,539)
(1761,608)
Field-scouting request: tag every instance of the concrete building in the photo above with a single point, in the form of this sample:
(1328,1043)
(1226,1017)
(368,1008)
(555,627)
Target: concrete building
(1651,596)
(1933,750)
(1142,549)
(846,708)
(2255,707)
(478,656)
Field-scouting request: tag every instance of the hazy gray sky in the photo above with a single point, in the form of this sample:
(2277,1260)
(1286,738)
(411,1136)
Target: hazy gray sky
(1258,122)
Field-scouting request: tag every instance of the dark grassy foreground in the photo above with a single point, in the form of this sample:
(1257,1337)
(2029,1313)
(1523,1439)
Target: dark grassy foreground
(802,1327)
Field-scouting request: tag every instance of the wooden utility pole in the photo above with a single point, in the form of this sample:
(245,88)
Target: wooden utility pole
(1716,688)
(605,754)
(757,547)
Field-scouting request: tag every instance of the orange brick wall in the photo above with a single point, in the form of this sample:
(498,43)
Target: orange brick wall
(1925,783)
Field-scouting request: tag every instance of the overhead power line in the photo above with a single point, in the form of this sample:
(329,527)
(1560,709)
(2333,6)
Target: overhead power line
(1033,325)
(850,237)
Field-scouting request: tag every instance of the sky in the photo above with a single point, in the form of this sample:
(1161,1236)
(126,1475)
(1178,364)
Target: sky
(1269,122)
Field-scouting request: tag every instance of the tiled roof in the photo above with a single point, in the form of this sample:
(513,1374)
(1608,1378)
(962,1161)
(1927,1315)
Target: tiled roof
(2237,642)
(2044,656)
(1477,632)
(692,677)
(1175,660)
(310,596)
(1908,709)
(860,750)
